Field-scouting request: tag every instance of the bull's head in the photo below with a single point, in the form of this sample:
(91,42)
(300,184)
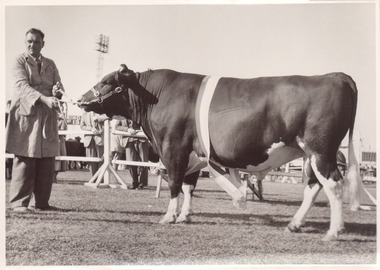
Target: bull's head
(109,96)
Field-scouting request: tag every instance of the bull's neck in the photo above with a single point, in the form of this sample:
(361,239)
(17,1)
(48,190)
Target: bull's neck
(141,99)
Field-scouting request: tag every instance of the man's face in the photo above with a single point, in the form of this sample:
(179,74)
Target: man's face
(34,44)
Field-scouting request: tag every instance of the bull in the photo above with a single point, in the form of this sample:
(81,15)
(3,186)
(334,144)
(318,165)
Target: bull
(252,125)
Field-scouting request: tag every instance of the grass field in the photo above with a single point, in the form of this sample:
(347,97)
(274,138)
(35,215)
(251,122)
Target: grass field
(120,227)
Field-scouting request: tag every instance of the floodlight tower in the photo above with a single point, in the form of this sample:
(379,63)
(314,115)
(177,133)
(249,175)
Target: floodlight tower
(102,46)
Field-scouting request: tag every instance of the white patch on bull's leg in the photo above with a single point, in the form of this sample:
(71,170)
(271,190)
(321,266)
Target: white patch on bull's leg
(231,183)
(310,194)
(307,168)
(275,146)
(186,210)
(334,192)
(278,155)
(172,213)
(300,143)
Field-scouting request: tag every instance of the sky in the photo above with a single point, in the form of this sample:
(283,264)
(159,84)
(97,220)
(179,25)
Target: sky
(232,40)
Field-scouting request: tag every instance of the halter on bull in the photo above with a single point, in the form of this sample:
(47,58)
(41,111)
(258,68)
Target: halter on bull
(252,123)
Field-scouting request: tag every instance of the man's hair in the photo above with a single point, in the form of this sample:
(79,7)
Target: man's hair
(35,31)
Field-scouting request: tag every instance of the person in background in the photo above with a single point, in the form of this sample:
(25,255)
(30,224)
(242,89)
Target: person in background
(94,144)
(137,149)
(116,144)
(7,109)
(32,132)
(8,161)
(61,166)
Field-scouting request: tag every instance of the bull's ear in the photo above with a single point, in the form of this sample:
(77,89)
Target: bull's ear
(123,68)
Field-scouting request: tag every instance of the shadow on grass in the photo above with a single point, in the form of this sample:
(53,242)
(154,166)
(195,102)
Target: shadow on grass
(213,219)
(281,221)
(71,182)
(75,218)
(290,203)
(363,229)
(273,200)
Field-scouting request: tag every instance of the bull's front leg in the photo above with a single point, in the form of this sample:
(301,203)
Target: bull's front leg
(175,184)
(173,211)
(186,210)
(188,187)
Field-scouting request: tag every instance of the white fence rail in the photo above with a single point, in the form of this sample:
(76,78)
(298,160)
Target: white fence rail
(101,177)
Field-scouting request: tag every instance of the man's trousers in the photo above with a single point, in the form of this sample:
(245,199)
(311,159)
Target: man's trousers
(31,176)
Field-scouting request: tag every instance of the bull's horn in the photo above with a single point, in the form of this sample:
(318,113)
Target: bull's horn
(123,67)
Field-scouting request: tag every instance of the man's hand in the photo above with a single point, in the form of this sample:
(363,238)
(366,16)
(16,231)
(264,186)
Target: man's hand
(95,131)
(132,131)
(51,102)
(56,91)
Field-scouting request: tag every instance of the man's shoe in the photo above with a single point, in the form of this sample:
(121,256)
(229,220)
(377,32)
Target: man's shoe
(133,186)
(155,171)
(44,208)
(141,186)
(20,209)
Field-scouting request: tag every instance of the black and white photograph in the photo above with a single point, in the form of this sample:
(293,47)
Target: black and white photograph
(190,134)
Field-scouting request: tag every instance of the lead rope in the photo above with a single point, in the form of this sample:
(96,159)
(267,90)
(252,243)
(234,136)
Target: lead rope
(61,102)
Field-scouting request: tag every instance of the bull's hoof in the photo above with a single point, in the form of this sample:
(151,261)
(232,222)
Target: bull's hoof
(341,229)
(365,207)
(354,208)
(167,219)
(292,228)
(357,207)
(240,204)
(329,238)
(183,219)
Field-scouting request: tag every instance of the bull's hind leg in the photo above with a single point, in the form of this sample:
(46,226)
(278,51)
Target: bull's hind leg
(310,194)
(329,176)
(260,188)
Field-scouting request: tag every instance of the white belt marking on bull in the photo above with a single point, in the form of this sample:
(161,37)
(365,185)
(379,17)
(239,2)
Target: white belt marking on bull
(206,93)
(231,183)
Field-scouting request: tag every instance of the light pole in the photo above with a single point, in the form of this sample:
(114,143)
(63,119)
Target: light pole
(102,46)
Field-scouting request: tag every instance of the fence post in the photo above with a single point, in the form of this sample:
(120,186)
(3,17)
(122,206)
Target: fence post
(106,168)
(158,188)
(107,150)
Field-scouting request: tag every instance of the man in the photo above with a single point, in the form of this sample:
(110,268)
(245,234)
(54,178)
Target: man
(8,161)
(117,150)
(32,133)
(137,149)
(94,143)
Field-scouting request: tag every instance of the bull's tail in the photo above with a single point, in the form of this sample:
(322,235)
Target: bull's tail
(356,188)
(353,176)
